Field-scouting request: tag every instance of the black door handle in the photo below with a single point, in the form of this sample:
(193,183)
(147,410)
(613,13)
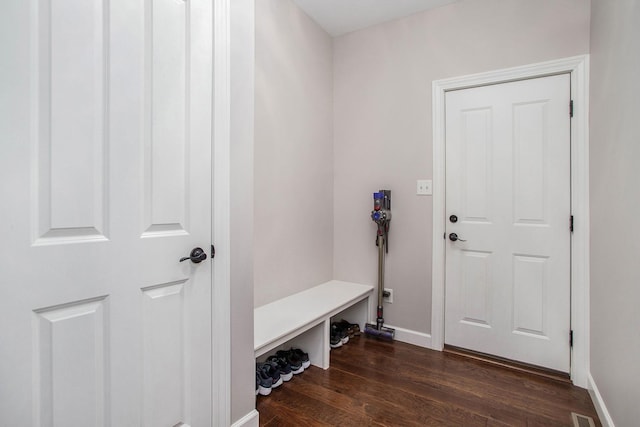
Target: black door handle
(454,237)
(197,255)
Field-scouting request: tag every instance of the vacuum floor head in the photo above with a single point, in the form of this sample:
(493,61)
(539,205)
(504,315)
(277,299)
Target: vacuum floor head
(383,332)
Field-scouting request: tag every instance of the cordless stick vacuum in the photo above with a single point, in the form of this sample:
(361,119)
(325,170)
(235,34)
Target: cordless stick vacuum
(381,215)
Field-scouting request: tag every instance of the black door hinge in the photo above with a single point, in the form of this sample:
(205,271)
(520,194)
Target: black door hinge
(571,108)
(571,338)
(213,252)
(571,223)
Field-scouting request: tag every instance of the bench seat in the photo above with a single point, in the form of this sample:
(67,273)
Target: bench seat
(303,319)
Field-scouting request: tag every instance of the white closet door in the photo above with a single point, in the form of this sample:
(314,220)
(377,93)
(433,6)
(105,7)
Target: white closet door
(106,184)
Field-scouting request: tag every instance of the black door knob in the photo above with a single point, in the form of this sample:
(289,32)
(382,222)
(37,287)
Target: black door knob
(454,237)
(197,255)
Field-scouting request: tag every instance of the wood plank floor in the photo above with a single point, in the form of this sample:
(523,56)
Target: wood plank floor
(378,383)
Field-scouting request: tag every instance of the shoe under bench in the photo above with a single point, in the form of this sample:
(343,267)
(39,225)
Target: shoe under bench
(303,320)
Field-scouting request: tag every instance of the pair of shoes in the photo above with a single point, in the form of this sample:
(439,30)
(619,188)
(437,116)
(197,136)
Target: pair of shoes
(267,377)
(297,359)
(304,357)
(341,332)
(286,373)
(353,329)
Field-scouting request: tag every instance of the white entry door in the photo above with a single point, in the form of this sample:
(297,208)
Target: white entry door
(105,159)
(507,288)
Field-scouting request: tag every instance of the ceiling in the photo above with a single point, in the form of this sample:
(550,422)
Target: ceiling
(338,17)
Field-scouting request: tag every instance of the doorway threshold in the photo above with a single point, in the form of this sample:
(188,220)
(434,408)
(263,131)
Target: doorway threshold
(508,363)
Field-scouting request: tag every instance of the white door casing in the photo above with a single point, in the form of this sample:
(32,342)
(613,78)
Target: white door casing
(578,68)
(106,166)
(507,183)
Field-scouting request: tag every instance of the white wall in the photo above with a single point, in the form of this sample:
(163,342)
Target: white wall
(293,152)
(241,209)
(615,206)
(383,131)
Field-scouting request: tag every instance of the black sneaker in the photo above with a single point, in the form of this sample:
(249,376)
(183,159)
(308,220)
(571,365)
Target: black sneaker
(339,329)
(285,368)
(334,340)
(294,361)
(263,382)
(271,370)
(304,357)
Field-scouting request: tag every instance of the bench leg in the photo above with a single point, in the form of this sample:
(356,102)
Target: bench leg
(326,347)
(315,342)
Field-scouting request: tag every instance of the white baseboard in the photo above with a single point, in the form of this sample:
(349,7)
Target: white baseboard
(598,402)
(250,420)
(412,337)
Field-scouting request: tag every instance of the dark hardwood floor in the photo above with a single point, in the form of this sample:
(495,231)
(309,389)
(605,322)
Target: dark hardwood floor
(378,383)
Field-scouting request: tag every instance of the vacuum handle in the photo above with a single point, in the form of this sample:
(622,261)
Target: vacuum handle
(381,214)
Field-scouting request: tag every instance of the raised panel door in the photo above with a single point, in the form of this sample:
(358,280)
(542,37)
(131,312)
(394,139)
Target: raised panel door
(507,284)
(106,184)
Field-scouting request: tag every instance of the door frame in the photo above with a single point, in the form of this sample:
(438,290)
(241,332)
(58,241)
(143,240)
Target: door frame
(221,187)
(578,68)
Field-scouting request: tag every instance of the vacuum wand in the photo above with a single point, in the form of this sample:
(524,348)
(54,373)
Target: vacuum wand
(381,215)
(380,241)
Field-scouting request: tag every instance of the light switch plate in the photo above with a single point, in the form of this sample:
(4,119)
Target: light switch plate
(424,187)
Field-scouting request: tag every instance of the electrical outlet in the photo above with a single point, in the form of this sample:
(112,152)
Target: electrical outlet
(424,187)
(388,299)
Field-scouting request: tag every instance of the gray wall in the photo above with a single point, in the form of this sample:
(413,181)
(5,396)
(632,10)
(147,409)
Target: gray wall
(382,138)
(383,130)
(293,152)
(615,206)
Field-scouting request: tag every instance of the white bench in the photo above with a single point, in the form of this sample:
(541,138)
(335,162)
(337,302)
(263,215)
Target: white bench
(303,320)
